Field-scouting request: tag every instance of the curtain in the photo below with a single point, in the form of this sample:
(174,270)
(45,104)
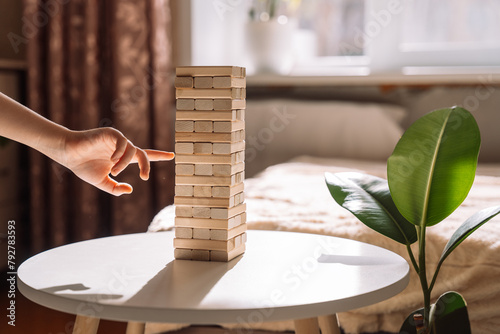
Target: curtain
(91,64)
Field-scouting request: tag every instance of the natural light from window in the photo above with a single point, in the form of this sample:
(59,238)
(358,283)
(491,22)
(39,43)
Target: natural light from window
(346,37)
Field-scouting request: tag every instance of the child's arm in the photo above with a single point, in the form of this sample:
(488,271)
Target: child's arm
(92,155)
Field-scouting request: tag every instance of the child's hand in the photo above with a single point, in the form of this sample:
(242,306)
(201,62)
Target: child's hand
(94,154)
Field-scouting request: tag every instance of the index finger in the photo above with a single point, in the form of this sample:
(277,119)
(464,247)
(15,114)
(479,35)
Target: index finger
(155,155)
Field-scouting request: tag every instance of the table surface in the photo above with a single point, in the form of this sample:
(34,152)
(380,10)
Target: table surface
(282,275)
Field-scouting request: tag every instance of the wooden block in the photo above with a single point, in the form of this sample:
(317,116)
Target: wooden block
(203,104)
(201,212)
(206,137)
(213,159)
(184,148)
(203,169)
(201,244)
(222,224)
(227,148)
(203,126)
(240,239)
(239,135)
(238,177)
(200,255)
(184,190)
(182,169)
(227,104)
(228,82)
(225,213)
(227,234)
(210,71)
(203,82)
(184,232)
(202,148)
(211,202)
(221,256)
(227,191)
(183,254)
(225,170)
(239,157)
(183,82)
(222,170)
(240,219)
(239,198)
(233,158)
(240,114)
(228,126)
(211,93)
(198,180)
(184,211)
(199,115)
(184,126)
(201,233)
(202,191)
(185,104)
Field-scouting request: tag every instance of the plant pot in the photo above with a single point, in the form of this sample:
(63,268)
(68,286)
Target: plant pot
(270,46)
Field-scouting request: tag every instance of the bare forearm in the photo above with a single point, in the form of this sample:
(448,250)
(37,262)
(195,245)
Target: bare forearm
(27,127)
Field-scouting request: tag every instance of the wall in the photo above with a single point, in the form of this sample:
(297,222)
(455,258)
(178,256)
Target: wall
(482,101)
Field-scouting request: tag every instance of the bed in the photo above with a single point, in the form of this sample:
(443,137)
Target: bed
(292,196)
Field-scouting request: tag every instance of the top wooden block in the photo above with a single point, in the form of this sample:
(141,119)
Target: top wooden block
(210,71)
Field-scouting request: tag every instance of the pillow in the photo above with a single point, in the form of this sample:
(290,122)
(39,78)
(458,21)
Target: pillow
(278,130)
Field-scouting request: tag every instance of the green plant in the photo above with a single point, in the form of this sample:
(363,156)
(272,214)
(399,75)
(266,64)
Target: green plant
(265,10)
(429,174)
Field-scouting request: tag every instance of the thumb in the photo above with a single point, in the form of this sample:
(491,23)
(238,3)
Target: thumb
(113,187)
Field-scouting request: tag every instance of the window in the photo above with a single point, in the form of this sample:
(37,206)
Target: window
(335,25)
(344,37)
(451,33)
(448,23)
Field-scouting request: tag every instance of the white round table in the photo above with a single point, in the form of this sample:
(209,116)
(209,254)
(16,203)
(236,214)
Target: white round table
(281,276)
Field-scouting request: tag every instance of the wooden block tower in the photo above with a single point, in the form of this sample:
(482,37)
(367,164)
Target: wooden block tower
(210,217)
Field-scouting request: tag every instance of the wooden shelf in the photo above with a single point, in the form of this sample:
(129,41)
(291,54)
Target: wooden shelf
(409,76)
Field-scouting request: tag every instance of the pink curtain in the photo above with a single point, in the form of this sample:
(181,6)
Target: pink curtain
(90,64)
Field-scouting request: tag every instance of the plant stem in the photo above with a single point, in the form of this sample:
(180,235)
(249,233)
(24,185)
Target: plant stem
(435,276)
(422,273)
(412,258)
(272,8)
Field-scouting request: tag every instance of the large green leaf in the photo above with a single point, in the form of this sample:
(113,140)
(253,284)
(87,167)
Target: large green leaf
(449,315)
(369,199)
(433,165)
(467,228)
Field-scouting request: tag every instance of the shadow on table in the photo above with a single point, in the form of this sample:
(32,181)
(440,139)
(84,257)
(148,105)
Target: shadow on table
(72,287)
(59,290)
(182,283)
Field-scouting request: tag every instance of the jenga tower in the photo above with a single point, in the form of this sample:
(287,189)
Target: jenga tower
(210,217)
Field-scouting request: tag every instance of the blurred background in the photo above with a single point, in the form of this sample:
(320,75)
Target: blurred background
(329,78)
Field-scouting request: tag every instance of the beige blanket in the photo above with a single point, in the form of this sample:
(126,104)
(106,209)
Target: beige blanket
(294,197)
